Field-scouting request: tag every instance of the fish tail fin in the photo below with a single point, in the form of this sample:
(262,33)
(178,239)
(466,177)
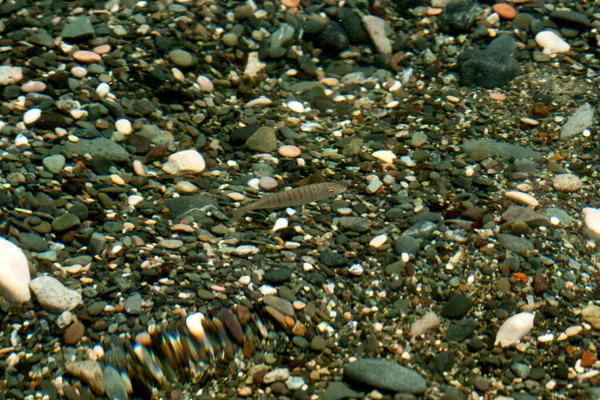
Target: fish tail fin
(237,214)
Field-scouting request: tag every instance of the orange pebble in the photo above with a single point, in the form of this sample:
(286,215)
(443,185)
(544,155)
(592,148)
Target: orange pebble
(290,3)
(588,359)
(505,11)
(521,277)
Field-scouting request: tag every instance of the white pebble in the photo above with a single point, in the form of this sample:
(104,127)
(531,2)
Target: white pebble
(205,84)
(186,161)
(385,155)
(522,198)
(281,223)
(32,115)
(591,216)
(295,106)
(246,250)
(514,328)
(262,101)
(378,241)
(194,324)
(123,126)
(78,72)
(14,273)
(103,89)
(551,42)
(356,270)
(267,183)
(134,199)
(244,280)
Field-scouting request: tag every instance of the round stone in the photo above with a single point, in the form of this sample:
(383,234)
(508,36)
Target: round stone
(567,183)
(33,86)
(181,58)
(267,183)
(290,151)
(123,126)
(295,106)
(86,57)
(32,115)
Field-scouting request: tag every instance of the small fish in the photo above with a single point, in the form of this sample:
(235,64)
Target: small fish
(293,197)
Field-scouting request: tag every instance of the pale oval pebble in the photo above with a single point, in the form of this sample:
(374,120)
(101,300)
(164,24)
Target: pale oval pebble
(329,82)
(205,84)
(591,216)
(78,72)
(291,245)
(514,328)
(246,250)
(235,196)
(295,106)
(387,156)
(102,49)
(86,57)
(117,180)
(522,198)
(102,89)
(290,151)
(548,337)
(32,115)
(194,324)
(177,74)
(78,113)
(138,168)
(244,280)
(185,187)
(378,241)
(259,102)
(134,199)
(281,223)
(573,330)
(267,183)
(33,86)
(551,42)
(123,126)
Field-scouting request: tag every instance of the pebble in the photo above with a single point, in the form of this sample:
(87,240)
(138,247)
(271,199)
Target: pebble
(181,58)
(53,295)
(89,372)
(581,119)
(185,162)
(102,89)
(205,84)
(522,198)
(171,244)
(74,333)
(567,183)
(65,222)
(54,163)
(123,126)
(375,27)
(32,115)
(263,140)
(262,101)
(295,106)
(591,315)
(591,216)
(33,86)
(385,375)
(290,151)
(277,375)
(86,57)
(10,75)
(267,183)
(505,11)
(514,328)
(14,273)
(78,72)
(378,241)
(386,156)
(551,42)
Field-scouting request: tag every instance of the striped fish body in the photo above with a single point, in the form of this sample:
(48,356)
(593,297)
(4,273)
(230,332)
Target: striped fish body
(293,197)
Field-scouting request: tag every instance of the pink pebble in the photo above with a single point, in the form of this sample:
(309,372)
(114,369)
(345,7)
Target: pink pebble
(102,49)
(290,151)
(86,57)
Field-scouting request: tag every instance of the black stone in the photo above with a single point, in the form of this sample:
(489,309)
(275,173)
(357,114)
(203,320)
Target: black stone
(461,330)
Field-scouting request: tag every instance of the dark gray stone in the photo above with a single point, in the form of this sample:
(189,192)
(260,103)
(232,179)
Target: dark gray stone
(77,29)
(385,375)
(33,242)
(99,146)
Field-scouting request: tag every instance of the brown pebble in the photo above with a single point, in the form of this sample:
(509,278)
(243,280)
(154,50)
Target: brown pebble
(588,359)
(74,333)
(505,11)
(540,284)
